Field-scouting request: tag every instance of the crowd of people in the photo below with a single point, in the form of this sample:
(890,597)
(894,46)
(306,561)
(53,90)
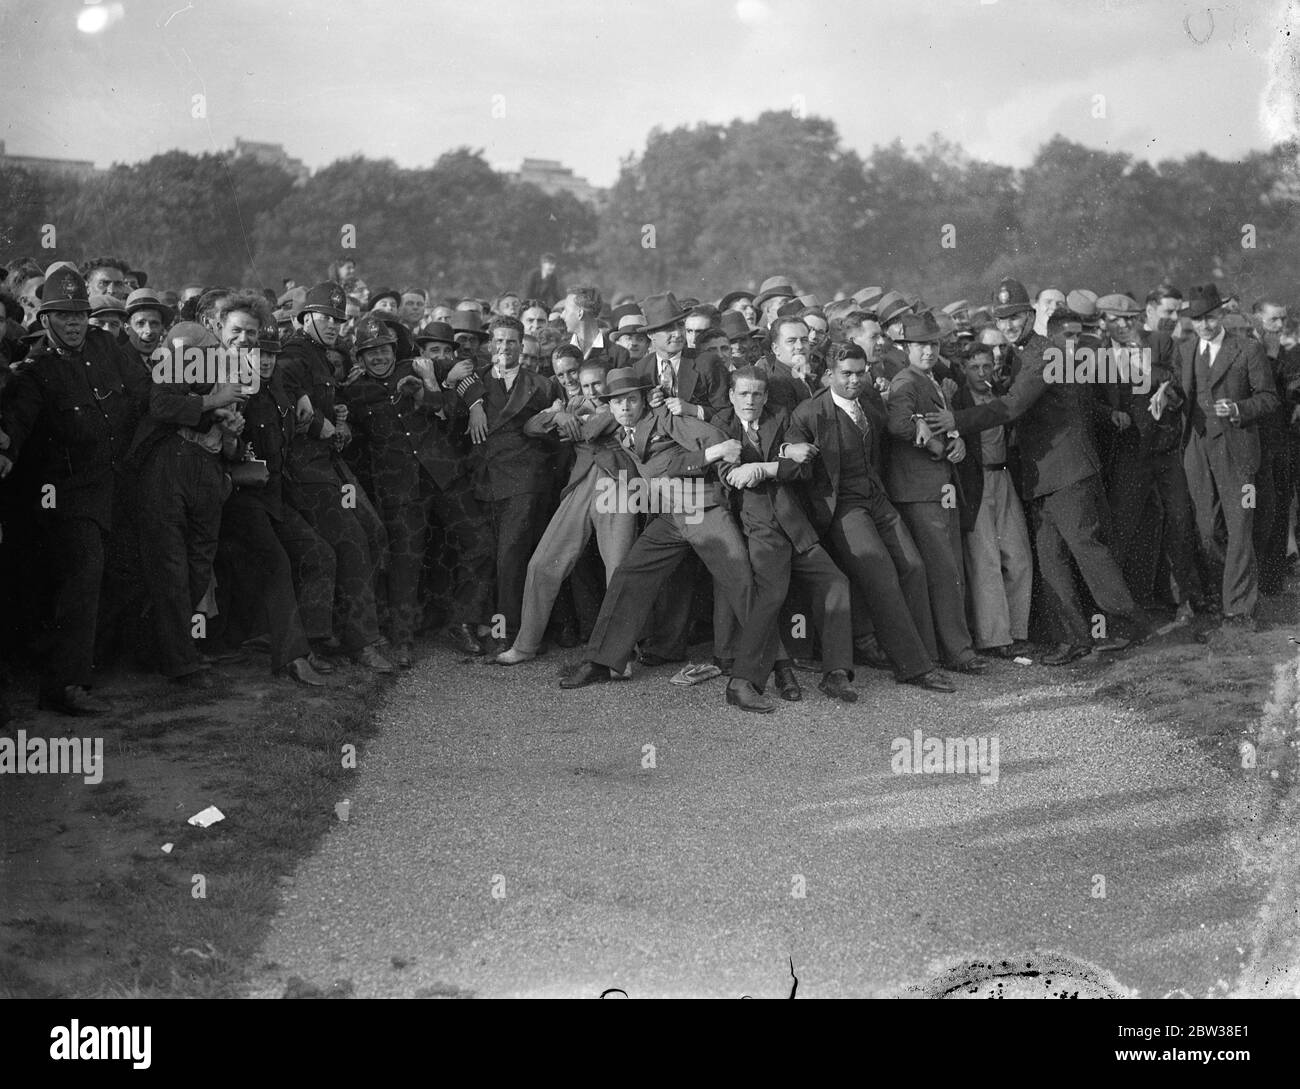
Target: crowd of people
(870,481)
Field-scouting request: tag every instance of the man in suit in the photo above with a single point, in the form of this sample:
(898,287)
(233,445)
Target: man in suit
(581,313)
(599,456)
(789,379)
(1062,479)
(781,541)
(673,455)
(1151,509)
(684,382)
(923,487)
(416,476)
(845,423)
(1229,387)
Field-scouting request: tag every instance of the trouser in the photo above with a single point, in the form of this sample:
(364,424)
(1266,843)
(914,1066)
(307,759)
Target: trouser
(74,553)
(182,489)
(999,565)
(1070,524)
(518,523)
(313,565)
(262,575)
(342,529)
(467,532)
(873,547)
(936,530)
(124,597)
(1272,510)
(1218,499)
(1151,516)
(717,540)
(559,550)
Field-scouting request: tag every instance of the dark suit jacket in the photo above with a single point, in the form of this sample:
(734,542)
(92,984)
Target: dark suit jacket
(1054,424)
(778,496)
(1152,436)
(509,462)
(1241,373)
(914,475)
(668,446)
(784,389)
(970,470)
(701,379)
(816,421)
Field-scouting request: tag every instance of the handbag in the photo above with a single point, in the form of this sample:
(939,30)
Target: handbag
(251,472)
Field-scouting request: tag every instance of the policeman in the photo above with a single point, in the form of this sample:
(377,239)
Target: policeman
(69,413)
(329,500)
(417,474)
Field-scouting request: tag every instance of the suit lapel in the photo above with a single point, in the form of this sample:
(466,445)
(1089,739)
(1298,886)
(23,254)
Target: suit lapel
(767,429)
(828,438)
(644,429)
(1227,357)
(685,378)
(519,394)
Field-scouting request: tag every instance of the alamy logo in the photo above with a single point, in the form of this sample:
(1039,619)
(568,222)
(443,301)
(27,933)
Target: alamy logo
(78,1041)
(207,366)
(658,495)
(921,755)
(1104,366)
(82,756)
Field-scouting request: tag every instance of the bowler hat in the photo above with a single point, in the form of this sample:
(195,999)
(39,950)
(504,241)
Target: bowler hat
(386,293)
(65,290)
(919,329)
(733,323)
(732,297)
(468,321)
(773,287)
(326,298)
(1203,299)
(623,380)
(1009,298)
(437,332)
(662,311)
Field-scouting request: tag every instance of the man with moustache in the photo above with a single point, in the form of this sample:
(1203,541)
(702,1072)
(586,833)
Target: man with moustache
(670,452)
(67,416)
(312,384)
(846,500)
(417,477)
(781,541)
(923,486)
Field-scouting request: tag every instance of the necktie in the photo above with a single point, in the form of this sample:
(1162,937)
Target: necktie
(666,376)
(629,439)
(751,434)
(859,417)
(1205,354)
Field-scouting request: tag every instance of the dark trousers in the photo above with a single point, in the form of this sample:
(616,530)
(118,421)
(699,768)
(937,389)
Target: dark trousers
(342,529)
(1216,486)
(717,540)
(74,554)
(936,531)
(467,532)
(1151,517)
(314,566)
(261,574)
(1070,523)
(181,494)
(1272,510)
(124,597)
(517,525)
(873,547)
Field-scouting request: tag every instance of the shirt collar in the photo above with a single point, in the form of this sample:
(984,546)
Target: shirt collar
(845,403)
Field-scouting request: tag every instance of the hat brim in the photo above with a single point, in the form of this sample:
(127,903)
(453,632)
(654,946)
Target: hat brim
(425,338)
(1012,309)
(328,311)
(626,331)
(163,309)
(759,300)
(67,306)
(664,324)
(1194,311)
(609,395)
(728,301)
(932,338)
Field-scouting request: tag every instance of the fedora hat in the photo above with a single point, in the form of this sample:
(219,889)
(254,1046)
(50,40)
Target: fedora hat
(106,304)
(919,329)
(774,287)
(439,332)
(733,323)
(661,311)
(468,321)
(1203,299)
(628,323)
(891,307)
(865,296)
(144,298)
(623,380)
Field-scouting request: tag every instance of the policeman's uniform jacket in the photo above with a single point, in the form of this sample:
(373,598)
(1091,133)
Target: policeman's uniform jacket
(307,367)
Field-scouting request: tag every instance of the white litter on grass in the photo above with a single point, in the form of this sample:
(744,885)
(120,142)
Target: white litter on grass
(167,848)
(209,816)
(343,809)
(1023,661)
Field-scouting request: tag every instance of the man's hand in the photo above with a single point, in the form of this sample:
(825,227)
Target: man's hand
(728,451)
(675,405)
(657,396)
(744,476)
(304,409)
(1120,419)
(412,387)
(226,393)
(956,449)
(1159,400)
(801,452)
(327,430)
(231,420)
(568,425)
(941,421)
(342,435)
(478,425)
(356,372)
(949,387)
(462,370)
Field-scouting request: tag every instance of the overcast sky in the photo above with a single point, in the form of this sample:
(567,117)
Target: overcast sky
(584,82)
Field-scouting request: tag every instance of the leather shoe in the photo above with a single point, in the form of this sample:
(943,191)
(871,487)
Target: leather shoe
(200,678)
(836,685)
(319,664)
(373,660)
(300,670)
(1114,642)
(586,673)
(933,680)
(462,637)
(867,651)
(724,664)
(976,667)
(513,657)
(786,682)
(74,700)
(744,695)
(1067,653)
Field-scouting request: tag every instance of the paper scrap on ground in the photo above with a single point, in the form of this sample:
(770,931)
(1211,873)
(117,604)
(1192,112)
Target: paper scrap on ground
(1023,661)
(695,674)
(167,848)
(343,809)
(209,816)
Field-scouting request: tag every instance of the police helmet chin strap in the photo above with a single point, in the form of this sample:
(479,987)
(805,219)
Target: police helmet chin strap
(59,343)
